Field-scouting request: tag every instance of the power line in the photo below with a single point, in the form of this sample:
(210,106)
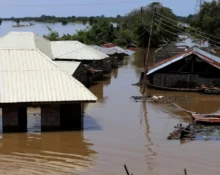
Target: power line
(166,30)
(188,27)
(178,29)
(71,5)
(190,34)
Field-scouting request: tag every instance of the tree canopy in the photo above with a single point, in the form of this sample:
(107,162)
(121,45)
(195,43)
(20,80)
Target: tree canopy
(132,28)
(208,19)
(139,21)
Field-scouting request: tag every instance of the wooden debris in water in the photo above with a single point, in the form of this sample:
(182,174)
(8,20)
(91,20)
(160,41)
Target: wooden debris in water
(181,132)
(195,131)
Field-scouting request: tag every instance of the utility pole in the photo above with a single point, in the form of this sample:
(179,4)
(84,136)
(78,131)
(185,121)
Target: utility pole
(148,51)
(142,25)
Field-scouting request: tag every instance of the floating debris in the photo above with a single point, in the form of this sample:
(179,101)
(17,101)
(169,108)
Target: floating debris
(159,99)
(195,132)
(181,133)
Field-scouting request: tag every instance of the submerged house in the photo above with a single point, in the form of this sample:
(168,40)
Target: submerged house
(76,51)
(29,40)
(29,78)
(186,71)
(115,53)
(78,70)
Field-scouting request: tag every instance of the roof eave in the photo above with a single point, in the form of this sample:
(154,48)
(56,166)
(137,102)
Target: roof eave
(44,103)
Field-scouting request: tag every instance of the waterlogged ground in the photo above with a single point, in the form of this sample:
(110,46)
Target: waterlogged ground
(117,131)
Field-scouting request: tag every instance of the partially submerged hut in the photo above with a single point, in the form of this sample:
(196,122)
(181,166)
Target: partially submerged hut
(29,40)
(115,53)
(78,70)
(30,79)
(77,51)
(186,71)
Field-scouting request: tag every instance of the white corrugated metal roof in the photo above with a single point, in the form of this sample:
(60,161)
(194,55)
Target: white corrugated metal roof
(68,66)
(30,76)
(110,50)
(74,50)
(26,40)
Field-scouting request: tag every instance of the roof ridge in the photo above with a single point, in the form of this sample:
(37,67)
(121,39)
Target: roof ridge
(69,76)
(171,58)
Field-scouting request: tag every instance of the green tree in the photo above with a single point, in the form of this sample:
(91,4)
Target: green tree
(64,22)
(18,21)
(139,24)
(124,37)
(208,20)
(53,35)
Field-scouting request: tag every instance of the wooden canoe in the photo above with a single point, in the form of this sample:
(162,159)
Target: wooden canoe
(206,118)
(202,118)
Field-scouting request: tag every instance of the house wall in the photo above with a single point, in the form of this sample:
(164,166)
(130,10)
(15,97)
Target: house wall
(190,72)
(71,116)
(83,75)
(183,80)
(54,117)
(61,117)
(114,61)
(104,65)
(50,118)
(14,119)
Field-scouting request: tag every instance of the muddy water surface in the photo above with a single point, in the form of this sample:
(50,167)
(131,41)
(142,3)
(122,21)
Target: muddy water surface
(117,131)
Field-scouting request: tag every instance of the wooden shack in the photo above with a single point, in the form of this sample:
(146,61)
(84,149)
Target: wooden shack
(186,71)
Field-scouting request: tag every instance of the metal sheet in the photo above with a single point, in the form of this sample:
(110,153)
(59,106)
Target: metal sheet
(68,66)
(74,50)
(30,76)
(205,56)
(26,40)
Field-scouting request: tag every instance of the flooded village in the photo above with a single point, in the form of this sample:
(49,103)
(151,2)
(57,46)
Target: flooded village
(71,106)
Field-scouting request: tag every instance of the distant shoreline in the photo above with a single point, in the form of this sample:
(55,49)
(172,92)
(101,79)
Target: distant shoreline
(77,22)
(63,20)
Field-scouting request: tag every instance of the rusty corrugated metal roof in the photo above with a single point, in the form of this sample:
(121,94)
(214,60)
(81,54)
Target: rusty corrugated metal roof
(205,56)
(109,45)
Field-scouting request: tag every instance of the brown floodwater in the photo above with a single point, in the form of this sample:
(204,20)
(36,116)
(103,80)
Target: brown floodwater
(117,131)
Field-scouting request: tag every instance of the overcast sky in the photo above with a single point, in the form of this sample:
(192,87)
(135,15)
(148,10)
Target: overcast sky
(21,8)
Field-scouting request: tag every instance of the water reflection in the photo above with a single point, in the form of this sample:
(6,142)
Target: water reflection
(51,153)
(138,60)
(115,73)
(150,144)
